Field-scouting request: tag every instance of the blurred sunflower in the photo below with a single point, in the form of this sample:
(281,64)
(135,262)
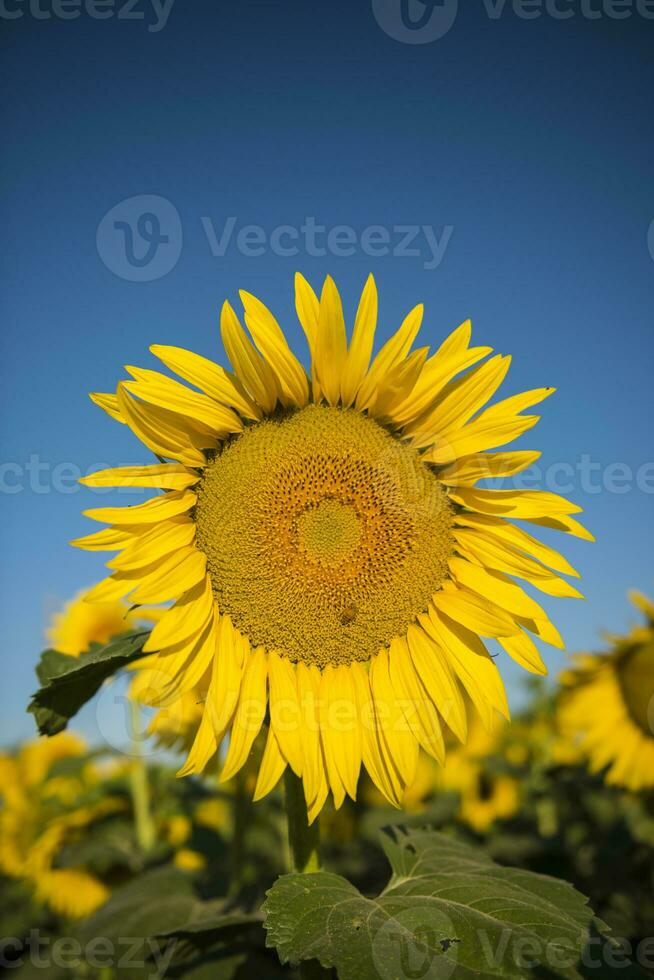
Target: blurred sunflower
(607,705)
(79,624)
(175,724)
(325,545)
(41,812)
(486,793)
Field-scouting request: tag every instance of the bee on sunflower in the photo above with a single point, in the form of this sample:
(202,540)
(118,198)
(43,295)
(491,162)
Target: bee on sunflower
(607,705)
(331,562)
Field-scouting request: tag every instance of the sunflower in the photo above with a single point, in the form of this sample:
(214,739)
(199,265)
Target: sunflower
(486,793)
(41,811)
(79,624)
(174,725)
(607,706)
(331,561)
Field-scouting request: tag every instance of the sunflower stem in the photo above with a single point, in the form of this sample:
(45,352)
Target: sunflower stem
(144,827)
(241,810)
(303,844)
(303,840)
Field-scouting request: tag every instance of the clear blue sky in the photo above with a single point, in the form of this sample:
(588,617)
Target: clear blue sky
(524,146)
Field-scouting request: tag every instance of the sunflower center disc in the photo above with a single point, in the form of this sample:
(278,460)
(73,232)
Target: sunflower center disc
(636,674)
(325,536)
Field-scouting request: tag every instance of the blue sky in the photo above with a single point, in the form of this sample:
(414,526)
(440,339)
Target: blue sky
(517,152)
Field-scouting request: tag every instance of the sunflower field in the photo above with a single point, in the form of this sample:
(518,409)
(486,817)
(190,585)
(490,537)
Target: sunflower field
(310,614)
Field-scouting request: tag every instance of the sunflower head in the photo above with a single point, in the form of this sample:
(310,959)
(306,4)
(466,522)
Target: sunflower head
(607,705)
(331,561)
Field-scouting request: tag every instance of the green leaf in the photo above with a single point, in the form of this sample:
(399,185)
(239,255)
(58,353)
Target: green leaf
(219,943)
(67,683)
(157,926)
(448,911)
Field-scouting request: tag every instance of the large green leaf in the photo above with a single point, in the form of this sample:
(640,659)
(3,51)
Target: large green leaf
(447,911)
(67,683)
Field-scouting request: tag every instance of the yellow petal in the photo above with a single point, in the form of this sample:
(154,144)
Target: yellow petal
(476,437)
(452,357)
(109,590)
(373,751)
(492,553)
(500,529)
(209,377)
(181,668)
(316,804)
(203,749)
(361,344)
(543,628)
(459,401)
(270,339)
(204,413)
(474,613)
(271,769)
(109,539)
(471,662)
(285,710)
(307,306)
(400,742)
(433,669)
(308,693)
(249,714)
(157,509)
(399,381)
(163,476)
(418,707)
(563,523)
(164,432)
(162,540)
(251,369)
(169,578)
(517,403)
(495,588)
(394,350)
(187,617)
(108,402)
(339,726)
(524,651)
(330,739)
(224,694)
(527,504)
(485,466)
(331,342)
